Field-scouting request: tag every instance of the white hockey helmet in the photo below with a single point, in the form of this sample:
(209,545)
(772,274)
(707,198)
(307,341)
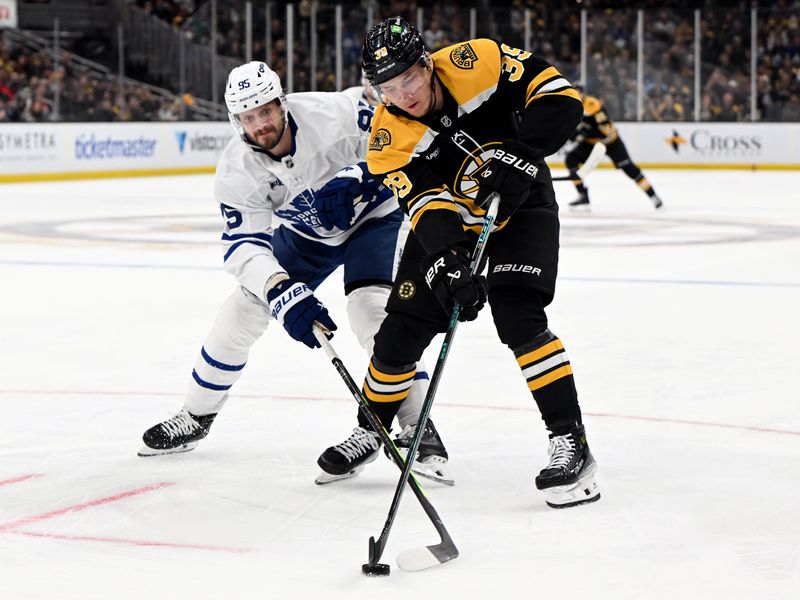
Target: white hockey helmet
(250,85)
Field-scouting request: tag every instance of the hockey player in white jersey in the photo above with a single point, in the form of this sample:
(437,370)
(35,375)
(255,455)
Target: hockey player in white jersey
(297,202)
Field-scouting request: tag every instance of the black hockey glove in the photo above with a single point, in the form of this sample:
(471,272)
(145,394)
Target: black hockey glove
(447,274)
(510,172)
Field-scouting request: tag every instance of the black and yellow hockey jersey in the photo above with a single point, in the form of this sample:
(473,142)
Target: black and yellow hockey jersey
(595,125)
(492,92)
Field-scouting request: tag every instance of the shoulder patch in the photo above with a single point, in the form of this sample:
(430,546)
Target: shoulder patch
(381,138)
(463,56)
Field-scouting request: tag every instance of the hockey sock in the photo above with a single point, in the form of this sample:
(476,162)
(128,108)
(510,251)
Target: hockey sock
(548,372)
(578,183)
(645,186)
(635,173)
(386,388)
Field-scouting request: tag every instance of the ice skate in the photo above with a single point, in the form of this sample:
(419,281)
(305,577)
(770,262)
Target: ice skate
(347,459)
(180,433)
(581,201)
(657,203)
(431,460)
(568,479)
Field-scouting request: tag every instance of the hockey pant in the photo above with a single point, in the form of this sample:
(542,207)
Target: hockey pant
(242,320)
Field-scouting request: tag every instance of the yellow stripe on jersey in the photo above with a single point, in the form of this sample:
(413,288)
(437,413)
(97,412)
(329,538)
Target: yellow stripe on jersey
(569,93)
(433,205)
(539,353)
(469,70)
(549,378)
(537,82)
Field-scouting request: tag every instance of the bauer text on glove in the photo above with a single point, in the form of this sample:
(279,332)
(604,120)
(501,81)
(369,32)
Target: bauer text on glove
(448,276)
(295,306)
(510,172)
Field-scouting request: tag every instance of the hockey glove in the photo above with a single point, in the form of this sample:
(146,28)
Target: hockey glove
(447,274)
(336,200)
(295,306)
(510,172)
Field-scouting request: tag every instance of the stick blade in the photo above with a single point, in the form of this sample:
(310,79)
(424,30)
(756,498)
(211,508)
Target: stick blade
(419,559)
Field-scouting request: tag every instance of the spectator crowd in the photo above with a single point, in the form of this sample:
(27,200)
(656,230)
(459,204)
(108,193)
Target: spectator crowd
(29,82)
(33,88)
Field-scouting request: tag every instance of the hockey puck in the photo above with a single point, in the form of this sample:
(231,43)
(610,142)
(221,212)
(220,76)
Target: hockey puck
(376,570)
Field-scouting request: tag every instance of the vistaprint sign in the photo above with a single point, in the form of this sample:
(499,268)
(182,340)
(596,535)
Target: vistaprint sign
(201,142)
(92,147)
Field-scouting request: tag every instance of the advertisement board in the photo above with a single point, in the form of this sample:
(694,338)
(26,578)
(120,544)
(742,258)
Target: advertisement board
(42,151)
(8,14)
(709,145)
(37,151)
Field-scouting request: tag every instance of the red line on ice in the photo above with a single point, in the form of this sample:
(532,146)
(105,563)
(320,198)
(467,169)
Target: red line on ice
(127,542)
(21,478)
(83,506)
(447,404)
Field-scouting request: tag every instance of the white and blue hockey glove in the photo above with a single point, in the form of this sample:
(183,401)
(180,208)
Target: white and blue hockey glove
(295,306)
(336,200)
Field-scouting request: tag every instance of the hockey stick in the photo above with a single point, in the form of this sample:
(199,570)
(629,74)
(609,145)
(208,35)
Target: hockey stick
(417,559)
(445,550)
(594,158)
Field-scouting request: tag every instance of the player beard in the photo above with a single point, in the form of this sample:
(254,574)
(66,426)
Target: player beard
(269,137)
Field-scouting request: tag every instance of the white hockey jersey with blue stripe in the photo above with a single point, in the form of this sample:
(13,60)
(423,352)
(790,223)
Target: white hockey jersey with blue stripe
(257,192)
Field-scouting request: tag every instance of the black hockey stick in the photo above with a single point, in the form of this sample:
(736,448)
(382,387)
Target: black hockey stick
(445,550)
(418,559)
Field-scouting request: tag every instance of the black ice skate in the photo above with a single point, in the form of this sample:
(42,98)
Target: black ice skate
(180,433)
(657,203)
(568,479)
(583,200)
(347,459)
(431,460)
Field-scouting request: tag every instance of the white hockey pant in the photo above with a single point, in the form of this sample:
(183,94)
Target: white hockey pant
(240,322)
(366,309)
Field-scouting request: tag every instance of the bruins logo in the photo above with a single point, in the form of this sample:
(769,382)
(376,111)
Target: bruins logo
(463,56)
(406,290)
(381,138)
(475,168)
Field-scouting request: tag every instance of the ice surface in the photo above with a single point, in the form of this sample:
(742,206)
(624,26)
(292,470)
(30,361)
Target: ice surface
(682,328)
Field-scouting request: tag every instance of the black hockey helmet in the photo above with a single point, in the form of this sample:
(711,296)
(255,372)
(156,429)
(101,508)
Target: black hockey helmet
(391,48)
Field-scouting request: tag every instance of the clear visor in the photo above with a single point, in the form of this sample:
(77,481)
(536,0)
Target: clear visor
(405,85)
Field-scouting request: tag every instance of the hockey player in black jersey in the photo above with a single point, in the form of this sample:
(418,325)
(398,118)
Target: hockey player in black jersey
(475,118)
(596,128)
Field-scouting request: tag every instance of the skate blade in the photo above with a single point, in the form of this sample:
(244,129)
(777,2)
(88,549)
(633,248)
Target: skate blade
(325,478)
(148,451)
(433,468)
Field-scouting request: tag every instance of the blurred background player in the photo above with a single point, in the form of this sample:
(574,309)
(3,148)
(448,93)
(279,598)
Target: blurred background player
(596,128)
(287,147)
(475,118)
(361,93)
